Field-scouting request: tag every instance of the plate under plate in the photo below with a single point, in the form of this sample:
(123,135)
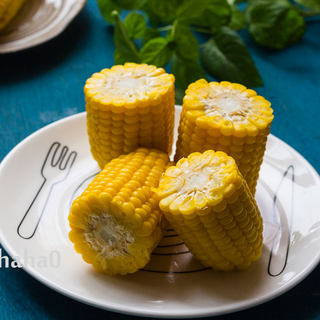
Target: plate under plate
(38,21)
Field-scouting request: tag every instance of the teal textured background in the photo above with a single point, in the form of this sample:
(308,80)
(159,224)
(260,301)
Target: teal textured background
(44,84)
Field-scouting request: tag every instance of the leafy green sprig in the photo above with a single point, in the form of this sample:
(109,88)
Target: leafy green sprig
(161,32)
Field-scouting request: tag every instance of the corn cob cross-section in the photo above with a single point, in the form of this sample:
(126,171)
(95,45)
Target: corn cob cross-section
(225,117)
(207,201)
(116,222)
(129,106)
(8,10)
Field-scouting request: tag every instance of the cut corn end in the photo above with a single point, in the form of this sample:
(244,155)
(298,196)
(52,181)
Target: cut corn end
(129,106)
(207,201)
(227,117)
(116,222)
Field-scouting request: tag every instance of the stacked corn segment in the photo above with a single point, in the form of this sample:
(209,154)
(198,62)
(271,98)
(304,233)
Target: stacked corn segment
(116,222)
(127,107)
(8,10)
(208,202)
(226,117)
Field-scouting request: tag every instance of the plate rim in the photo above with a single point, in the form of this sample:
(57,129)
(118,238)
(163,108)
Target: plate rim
(138,311)
(78,6)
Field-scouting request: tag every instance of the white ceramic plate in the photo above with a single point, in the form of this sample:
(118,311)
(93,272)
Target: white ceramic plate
(38,21)
(173,284)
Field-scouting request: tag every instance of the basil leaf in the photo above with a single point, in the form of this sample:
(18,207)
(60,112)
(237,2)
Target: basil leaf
(274,23)
(231,2)
(191,9)
(186,72)
(153,18)
(118,58)
(164,9)
(186,44)
(238,20)
(130,4)
(216,14)
(135,25)
(179,94)
(126,48)
(149,34)
(312,5)
(157,52)
(225,57)
(106,7)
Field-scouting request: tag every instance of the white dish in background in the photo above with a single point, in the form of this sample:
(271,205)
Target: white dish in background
(38,21)
(173,284)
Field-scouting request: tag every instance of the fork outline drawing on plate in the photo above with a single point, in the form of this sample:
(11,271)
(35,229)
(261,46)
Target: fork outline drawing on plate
(53,163)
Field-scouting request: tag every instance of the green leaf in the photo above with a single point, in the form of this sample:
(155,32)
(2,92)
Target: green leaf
(149,34)
(179,94)
(153,18)
(186,72)
(312,5)
(231,2)
(238,20)
(157,52)
(135,25)
(274,23)
(216,14)
(186,44)
(118,58)
(106,7)
(126,48)
(130,4)
(225,57)
(164,9)
(191,9)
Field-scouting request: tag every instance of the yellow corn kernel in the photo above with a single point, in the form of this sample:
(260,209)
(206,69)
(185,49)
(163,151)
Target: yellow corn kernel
(227,117)
(208,202)
(129,106)
(8,10)
(116,222)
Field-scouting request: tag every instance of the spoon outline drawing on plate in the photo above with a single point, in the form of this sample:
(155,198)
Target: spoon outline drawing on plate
(281,244)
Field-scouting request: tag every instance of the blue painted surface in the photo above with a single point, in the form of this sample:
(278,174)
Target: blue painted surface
(44,84)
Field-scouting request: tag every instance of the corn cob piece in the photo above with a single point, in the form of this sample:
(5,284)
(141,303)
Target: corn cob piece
(225,117)
(8,10)
(129,106)
(116,222)
(208,203)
